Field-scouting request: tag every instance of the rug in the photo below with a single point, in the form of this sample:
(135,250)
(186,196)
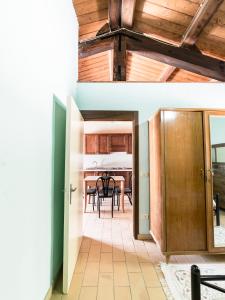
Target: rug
(178,280)
(219,236)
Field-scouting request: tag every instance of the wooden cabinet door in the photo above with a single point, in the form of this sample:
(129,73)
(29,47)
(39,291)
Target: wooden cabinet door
(184,181)
(91,143)
(103,144)
(118,143)
(129,143)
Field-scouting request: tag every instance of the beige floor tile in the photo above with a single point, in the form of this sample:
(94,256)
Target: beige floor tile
(75,287)
(85,245)
(156,293)
(122,293)
(91,274)
(81,262)
(149,274)
(105,292)
(105,279)
(106,247)
(106,262)
(94,253)
(118,254)
(56,296)
(143,257)
(137,285)
(132,262)
(88,293)
(120,274)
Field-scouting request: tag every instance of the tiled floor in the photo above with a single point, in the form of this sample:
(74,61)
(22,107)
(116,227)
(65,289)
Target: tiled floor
(112,265)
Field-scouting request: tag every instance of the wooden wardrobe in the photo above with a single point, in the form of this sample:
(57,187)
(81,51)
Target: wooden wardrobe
(181,207)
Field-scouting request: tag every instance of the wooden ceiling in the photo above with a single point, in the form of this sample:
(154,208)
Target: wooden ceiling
(181,23)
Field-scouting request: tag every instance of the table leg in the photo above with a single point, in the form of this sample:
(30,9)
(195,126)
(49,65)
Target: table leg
(85,196)
(122,194)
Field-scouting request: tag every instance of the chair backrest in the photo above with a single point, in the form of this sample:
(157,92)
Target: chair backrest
(104,174)
(104,184)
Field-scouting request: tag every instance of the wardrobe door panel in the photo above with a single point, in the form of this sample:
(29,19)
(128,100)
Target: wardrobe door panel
(184,181)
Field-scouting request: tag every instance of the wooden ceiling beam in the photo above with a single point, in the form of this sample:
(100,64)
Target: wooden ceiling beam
(119,48)
(204,14)
(127,13)
(114,14)
(99,44)
(119,58)
(180,57)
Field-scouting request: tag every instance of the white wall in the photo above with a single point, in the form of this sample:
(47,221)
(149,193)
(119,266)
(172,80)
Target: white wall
(147,98)
(112,160)
(108,127)
(37,61)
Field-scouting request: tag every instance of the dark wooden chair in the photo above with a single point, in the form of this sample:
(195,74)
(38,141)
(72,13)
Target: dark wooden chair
(127,191)
(91,193)
(105,186)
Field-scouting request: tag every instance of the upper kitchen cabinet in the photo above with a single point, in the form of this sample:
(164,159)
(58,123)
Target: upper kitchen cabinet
(96,144)
(103,144)
(91,143)
(118,143)
(107,143)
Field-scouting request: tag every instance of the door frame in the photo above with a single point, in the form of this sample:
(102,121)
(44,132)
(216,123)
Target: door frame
(113,115)
(209,180)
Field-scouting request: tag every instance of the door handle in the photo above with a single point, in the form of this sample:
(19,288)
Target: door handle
(202,173)
(210,174)
(72,190)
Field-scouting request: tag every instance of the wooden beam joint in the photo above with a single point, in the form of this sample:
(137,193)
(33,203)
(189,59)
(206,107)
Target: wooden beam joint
(179,57)
(119,58)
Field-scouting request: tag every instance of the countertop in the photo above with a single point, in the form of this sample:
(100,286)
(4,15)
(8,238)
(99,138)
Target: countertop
(108,170)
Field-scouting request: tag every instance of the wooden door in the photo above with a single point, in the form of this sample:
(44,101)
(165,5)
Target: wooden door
(184,181)
(103,144)
(73,191)
(91,143)
(118,143)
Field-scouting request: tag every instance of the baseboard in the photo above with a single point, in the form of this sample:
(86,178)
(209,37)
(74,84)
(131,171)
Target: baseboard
(144,237)
(49,294)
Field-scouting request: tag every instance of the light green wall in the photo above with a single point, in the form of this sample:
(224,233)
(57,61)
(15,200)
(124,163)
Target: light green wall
(38,60)
(58,171)
(147,98)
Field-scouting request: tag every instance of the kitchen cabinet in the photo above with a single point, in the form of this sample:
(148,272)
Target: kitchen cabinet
(91,143)
(107,143)
(118,143)
(103,144)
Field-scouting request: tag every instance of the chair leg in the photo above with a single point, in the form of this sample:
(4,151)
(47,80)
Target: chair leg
(118,201)
(89,199)
(93,202)
(113,198)
(98,207)
(129,197)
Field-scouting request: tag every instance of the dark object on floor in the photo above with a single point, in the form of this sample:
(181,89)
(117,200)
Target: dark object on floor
(197,279)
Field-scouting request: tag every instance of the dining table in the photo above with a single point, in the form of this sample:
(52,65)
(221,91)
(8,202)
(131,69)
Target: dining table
(91,181)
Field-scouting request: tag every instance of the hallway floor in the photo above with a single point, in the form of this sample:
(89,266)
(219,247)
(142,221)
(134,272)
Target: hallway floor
(112,265)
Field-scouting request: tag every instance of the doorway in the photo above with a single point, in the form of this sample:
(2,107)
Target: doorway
(120,116)
(71,197)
